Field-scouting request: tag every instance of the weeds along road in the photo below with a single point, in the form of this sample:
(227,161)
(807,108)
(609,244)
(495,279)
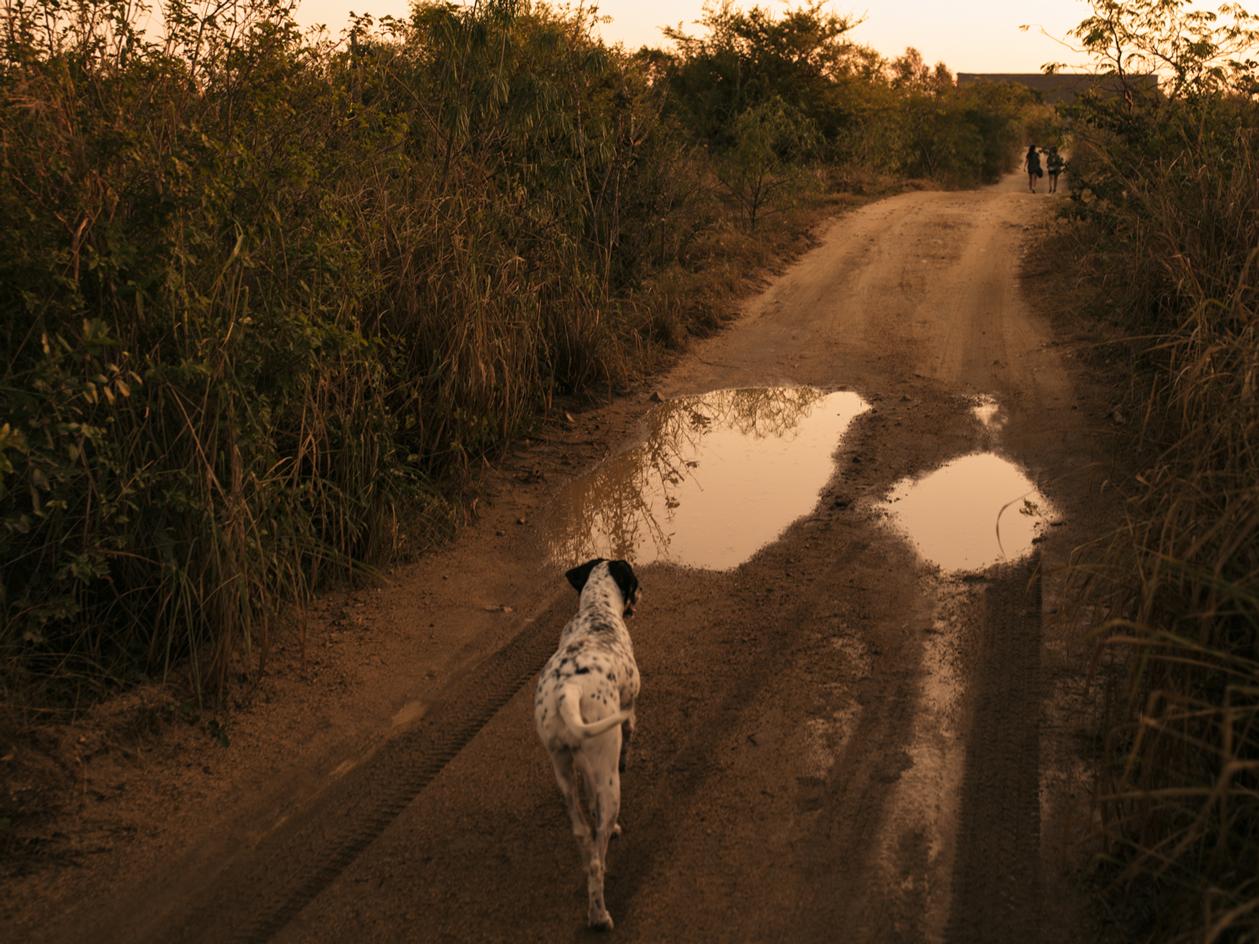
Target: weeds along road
(838,740)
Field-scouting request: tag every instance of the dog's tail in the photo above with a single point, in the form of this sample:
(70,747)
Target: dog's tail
(570,712)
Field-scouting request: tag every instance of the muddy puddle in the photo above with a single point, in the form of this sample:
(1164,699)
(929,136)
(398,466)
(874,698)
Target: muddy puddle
(716,477)
(971,513)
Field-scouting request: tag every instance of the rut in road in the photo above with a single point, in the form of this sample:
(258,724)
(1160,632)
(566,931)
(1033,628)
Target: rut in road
(268,885)
(996,882)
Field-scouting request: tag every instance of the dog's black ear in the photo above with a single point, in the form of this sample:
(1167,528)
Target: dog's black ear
(579,575)
(623,574)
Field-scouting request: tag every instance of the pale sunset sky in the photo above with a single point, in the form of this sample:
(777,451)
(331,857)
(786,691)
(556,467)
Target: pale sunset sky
(968,36)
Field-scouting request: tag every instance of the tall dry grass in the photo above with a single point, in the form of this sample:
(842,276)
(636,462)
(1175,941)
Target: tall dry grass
(1169,207)
(263,298)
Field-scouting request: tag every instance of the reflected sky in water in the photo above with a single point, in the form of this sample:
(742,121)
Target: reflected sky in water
(717,477)
(971,513)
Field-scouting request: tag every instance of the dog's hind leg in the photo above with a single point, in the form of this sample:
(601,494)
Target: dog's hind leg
(566,777)
(605,805)
(627,735)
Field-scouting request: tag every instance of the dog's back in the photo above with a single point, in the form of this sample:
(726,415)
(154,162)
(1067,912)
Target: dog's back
(589,680)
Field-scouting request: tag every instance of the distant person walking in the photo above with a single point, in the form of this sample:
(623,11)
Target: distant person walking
(1054,163)
(1032,163)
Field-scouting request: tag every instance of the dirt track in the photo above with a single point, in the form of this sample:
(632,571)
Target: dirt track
(838,742)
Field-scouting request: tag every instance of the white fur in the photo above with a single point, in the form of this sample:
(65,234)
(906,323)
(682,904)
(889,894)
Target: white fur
(584,712)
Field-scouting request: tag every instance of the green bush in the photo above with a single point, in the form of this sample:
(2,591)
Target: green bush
(769,144)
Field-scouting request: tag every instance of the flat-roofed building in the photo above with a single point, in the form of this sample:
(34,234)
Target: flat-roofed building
(1066,87)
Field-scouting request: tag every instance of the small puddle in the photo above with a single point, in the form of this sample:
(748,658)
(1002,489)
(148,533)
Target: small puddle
(717,477)
(971,513)
(989,413)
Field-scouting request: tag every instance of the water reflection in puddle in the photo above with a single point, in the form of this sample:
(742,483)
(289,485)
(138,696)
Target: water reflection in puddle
(988,411)
(718,477)
(970,513)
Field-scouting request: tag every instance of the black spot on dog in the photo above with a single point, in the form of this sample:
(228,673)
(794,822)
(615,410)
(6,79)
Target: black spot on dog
(584,670)
(626,580)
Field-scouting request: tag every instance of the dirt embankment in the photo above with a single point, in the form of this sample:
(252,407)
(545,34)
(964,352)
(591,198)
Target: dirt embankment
(837,737)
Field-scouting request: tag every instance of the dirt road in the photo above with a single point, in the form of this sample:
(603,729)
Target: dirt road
(840,740)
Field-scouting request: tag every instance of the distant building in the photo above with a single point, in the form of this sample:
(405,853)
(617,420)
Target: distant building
(1063,87)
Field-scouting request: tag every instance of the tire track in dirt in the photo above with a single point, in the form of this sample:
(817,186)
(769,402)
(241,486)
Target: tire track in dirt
(690,762)
(845,889)
(269,884)
(996,877)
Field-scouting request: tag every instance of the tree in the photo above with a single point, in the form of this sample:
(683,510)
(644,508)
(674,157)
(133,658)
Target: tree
(1198,52)
(769,141)
(747,58)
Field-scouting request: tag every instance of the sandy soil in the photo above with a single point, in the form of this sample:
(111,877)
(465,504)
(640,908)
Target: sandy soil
(837,741)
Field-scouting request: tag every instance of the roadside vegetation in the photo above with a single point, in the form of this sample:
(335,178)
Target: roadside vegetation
(265,297)
(1166,203)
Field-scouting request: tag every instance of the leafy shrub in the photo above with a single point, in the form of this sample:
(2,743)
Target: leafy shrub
(769,142)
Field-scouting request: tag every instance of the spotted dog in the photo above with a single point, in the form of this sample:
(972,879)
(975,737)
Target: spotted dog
(584,711)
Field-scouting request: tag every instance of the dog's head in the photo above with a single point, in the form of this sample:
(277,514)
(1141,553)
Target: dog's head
(620,571)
